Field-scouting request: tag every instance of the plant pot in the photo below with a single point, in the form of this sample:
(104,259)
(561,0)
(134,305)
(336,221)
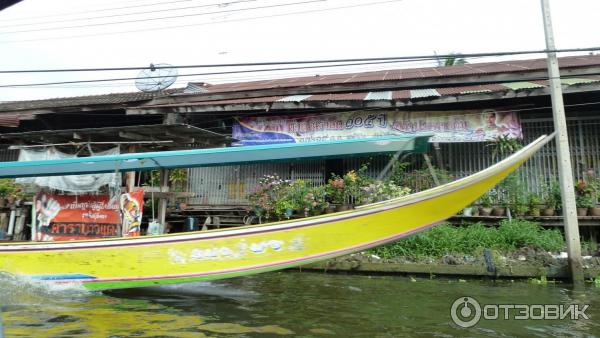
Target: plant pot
(288,213)
(468,211)
(547,212)
(485,211)
(498,211)
(595,211)
(330,209)
(582,211)
(344,207)
(534,212)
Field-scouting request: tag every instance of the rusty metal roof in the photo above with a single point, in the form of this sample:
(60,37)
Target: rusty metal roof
(91,100)
(394,95)
(516,66)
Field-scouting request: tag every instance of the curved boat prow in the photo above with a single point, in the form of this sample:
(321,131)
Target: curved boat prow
(216,254)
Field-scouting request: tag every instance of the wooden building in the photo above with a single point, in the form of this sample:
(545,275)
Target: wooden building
(205,115)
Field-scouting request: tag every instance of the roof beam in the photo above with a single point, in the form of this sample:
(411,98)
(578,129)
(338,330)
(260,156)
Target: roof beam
(132,136)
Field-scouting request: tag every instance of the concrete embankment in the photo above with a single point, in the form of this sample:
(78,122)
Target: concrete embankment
(497,267)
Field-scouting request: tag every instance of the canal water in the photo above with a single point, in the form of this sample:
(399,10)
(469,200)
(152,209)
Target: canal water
(294,304)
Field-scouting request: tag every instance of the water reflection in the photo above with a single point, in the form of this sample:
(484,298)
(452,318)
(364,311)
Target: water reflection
(285,304)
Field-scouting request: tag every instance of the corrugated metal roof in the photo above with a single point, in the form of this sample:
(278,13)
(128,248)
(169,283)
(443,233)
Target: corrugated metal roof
(105,99)
(576,81)
(376,96)
(522,85)
(516,66)
(404,94)
(420,93)
(338,97)
(294,98)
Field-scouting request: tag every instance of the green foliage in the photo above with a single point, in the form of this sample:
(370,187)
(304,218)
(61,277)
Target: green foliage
(513,194)
(419,179)
(505,145)
(582,201)
(8,187)
(552,195)
(271,189)
(468,240)
(381,191)
(178,178)
(533,201)
(486,200)
(349,187)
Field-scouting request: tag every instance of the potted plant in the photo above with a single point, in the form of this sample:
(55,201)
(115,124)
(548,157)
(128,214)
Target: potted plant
(552,199)
(583,203)
(595,208)
(485,205)
(270,189)
(500,210)
(594,182)
(533,202)
(583,197)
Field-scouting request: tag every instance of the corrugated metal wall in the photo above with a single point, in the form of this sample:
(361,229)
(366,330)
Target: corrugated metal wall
(9,155)
(229,185)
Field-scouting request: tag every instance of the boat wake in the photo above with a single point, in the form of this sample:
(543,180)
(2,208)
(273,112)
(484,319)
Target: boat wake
(15,290)
(222,290)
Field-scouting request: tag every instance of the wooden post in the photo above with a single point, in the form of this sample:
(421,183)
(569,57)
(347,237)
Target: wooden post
(130,175)
(162,202)
(564,157)
(436,180)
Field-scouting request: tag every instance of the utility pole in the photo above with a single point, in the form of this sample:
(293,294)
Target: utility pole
(565,170)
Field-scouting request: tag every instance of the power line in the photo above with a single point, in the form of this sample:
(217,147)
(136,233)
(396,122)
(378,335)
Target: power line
(98,10)
(221,4)
(375,67)
(200,74)
(200,24)
(276,63)
(162,18)
(278,69)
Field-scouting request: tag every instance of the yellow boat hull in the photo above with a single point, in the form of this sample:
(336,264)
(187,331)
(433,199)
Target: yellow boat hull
(216,254)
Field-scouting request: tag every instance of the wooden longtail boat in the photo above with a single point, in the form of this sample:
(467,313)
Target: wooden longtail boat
(215,254)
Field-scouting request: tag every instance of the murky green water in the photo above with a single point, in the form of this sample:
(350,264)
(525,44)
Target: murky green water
(287,304)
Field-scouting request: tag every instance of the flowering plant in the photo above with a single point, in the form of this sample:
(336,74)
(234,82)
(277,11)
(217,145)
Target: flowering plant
(380,191)
(270,189)
(348,188)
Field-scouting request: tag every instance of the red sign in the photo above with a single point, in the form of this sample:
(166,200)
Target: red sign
(132,205)
(63,217)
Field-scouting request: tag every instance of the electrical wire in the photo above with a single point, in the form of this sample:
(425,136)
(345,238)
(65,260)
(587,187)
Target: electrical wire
(354,79)
(221,4)
(199,24)
(99,10)
(277,63)
(161,18)
(373,67)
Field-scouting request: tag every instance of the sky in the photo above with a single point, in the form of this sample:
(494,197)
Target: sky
(58,34)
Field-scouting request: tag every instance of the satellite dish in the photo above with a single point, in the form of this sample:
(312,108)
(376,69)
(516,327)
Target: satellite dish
(155,78)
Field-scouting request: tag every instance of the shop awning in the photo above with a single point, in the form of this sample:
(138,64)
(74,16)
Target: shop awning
(216,156)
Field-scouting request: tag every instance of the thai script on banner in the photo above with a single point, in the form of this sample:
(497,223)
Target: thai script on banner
(446,126)
(68,217)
